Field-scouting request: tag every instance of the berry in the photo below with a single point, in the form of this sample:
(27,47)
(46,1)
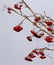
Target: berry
(31,55)
(34,51)
(38,36)
(9,10)
(49,29)
(17,7)
(34,33)
(48,23)
(28,59)
(17,28)
(37,19)
(41,53)
(42,57)
(48,39)
(29,38)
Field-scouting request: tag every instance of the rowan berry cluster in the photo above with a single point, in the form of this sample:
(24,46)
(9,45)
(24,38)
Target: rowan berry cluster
(35,53)
(43,23)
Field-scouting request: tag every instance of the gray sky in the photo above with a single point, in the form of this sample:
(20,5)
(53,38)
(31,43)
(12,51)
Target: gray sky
(14,46)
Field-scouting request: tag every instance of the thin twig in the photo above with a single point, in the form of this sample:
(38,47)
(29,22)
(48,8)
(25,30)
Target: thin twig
(29,8)
(45,48)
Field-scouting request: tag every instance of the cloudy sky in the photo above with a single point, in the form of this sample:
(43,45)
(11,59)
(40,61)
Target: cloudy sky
(14,46)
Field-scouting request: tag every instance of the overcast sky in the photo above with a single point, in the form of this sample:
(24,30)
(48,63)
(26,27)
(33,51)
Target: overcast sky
(14,46)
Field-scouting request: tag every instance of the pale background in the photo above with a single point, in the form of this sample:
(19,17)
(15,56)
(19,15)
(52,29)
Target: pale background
(14,46)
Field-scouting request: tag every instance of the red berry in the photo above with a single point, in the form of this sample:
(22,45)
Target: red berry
(17,7)
(9,10)
(49,29)
(48,23)
(41,53)
(34,33)
(17,28)
(28,59)
(42,57)
(29,38)
(34,51)
(38,36)
(37,19)
(48,39)
(31,55)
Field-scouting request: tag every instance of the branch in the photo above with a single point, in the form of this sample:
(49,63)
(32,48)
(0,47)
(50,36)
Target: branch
(45,48)
(29,8)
